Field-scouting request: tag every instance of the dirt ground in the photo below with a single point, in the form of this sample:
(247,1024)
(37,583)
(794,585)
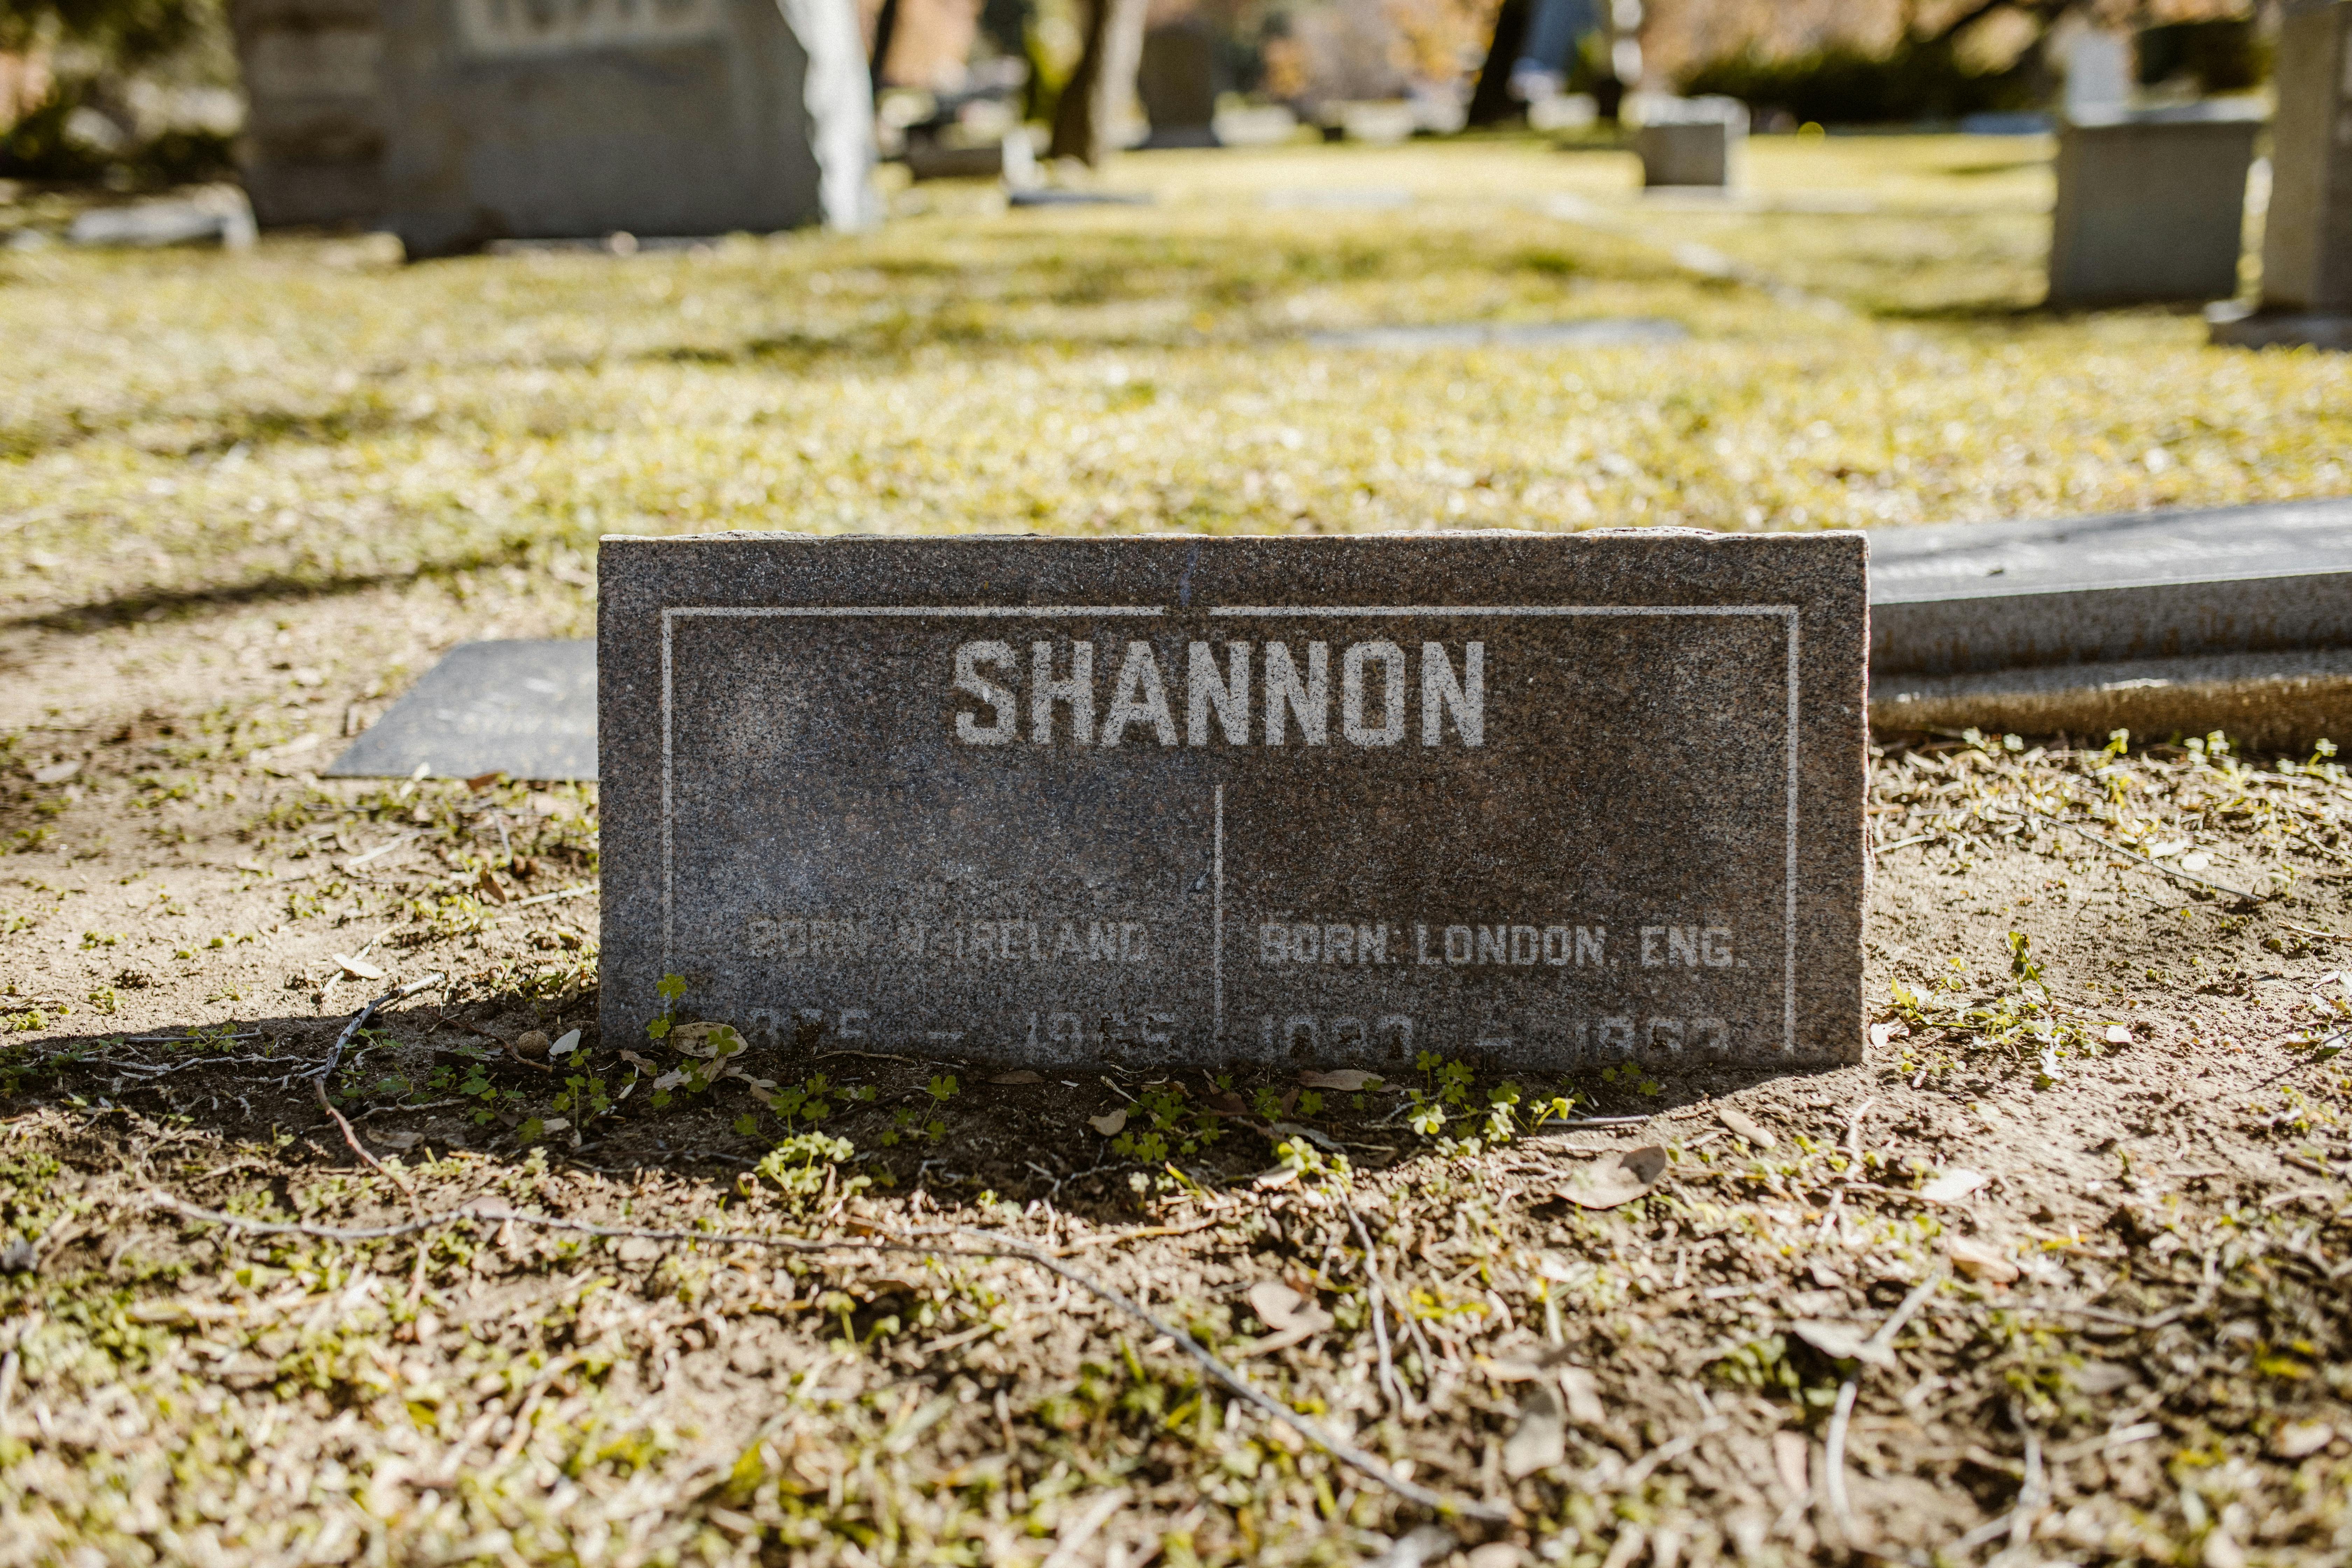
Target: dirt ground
(2092,1176)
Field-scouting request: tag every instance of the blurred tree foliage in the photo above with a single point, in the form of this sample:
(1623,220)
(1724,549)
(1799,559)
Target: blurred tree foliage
(1843,84)
(95,47)
(1928,71)
(121,34)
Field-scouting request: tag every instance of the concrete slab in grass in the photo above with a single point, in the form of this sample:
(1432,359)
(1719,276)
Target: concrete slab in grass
(1949,599)
(527,710)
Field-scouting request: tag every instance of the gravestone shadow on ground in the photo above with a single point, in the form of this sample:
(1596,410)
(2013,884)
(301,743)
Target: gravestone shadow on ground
(421,1079)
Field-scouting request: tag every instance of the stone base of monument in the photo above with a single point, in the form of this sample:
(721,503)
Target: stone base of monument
(2238,619)
(2234,326)
(2264,702)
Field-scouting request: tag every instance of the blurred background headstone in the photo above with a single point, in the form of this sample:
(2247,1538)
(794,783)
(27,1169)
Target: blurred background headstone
(1691,142)
(1176,84)
(2151,204)
(458,122)
(317,120)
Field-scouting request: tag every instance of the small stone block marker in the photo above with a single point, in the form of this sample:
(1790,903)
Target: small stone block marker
(1553,800)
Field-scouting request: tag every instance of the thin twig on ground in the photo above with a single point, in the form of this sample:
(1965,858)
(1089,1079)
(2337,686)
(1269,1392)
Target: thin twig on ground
(2159,867)
(1833,1459)
(1378,1290)
(335,1058)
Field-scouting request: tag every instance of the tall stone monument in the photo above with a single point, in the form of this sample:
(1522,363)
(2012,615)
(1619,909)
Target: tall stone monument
(454,122)
(1550,800)
(2307,237)
(317,121)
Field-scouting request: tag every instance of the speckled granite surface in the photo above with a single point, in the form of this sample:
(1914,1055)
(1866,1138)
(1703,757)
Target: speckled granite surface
(1546,799)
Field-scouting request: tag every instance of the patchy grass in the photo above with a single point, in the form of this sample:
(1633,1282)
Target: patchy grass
(2098,1144)
(307,418)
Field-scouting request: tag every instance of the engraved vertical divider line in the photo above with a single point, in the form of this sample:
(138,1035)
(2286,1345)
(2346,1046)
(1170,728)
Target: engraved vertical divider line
(1217,920)
(668,617)
(1788,981)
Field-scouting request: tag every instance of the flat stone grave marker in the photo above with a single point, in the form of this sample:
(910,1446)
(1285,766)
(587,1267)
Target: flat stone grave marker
(1951,597)
(527,710)
(1597,332)
(1548,800)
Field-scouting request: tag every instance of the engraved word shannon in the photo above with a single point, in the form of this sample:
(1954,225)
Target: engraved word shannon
(1292,694)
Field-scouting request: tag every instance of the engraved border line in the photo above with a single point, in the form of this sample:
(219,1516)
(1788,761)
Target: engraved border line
(670,615)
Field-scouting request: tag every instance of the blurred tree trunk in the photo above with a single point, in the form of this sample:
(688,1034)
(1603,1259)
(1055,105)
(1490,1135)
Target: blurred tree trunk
(1491,102)
(1114,36)
(885,28)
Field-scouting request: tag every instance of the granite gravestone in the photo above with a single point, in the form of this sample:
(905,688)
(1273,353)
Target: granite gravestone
(1547,799)
(316,119)
(2151,204)
(1176,84)
(2307,236)
(676,116)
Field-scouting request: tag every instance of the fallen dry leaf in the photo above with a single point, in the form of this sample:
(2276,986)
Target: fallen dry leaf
(1290,1314)
(357,968)
(1979,1261)
(1539,1440)
(1882,1033)
(1745,1126)
(2301,1439)
(1022,1076)
(565,1044)
(1614,1179)
(1842,1342)
(1108,1125)
(57,773)
(1953,1185)
(400,1140)
(1225,1102)
(1348,1081)
(2118,1035)
(1275,1303)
